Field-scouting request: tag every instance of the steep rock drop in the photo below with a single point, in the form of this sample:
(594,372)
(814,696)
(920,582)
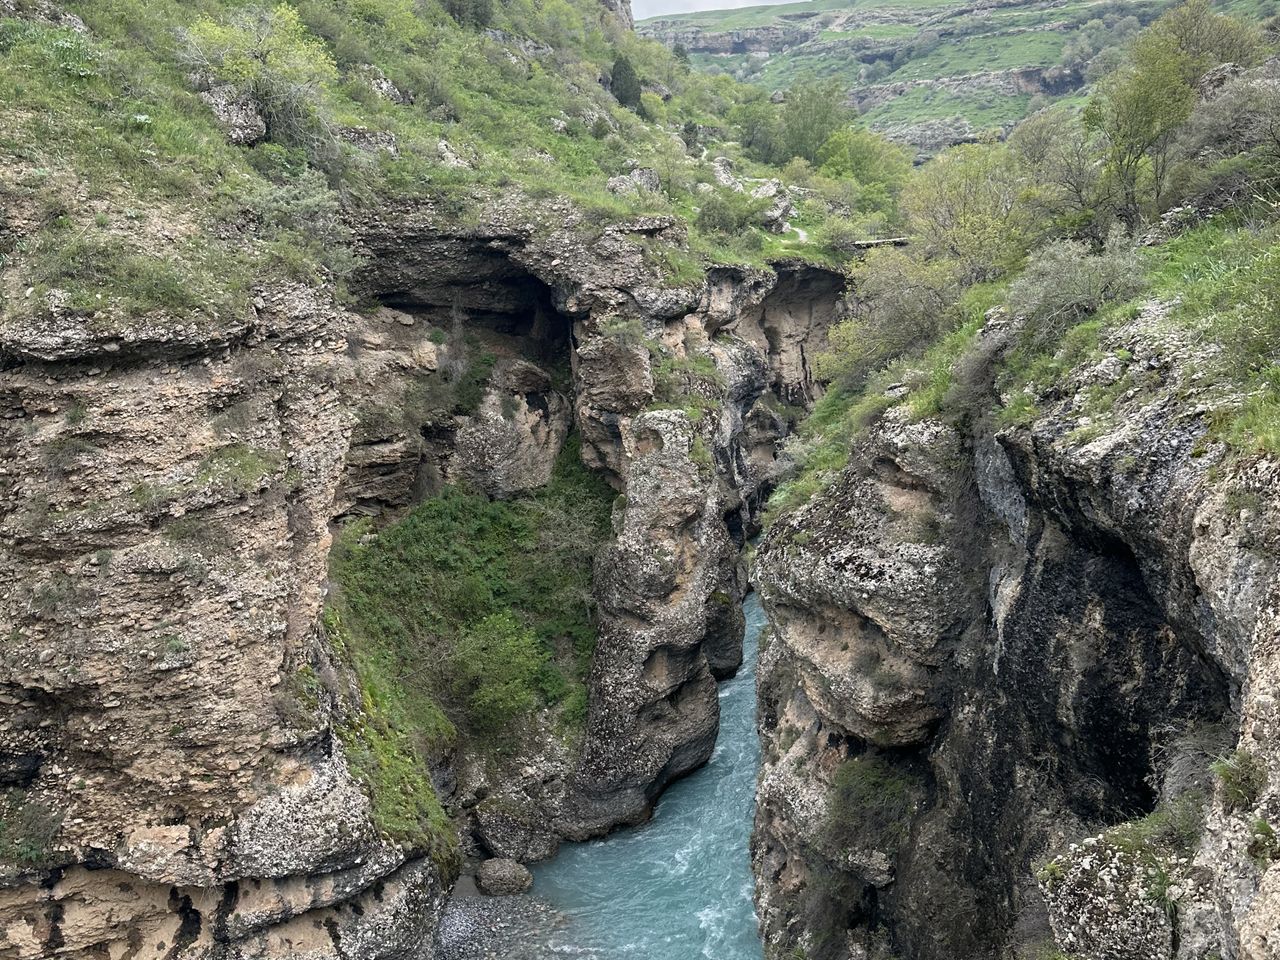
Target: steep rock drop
(159,574)
(1002,664)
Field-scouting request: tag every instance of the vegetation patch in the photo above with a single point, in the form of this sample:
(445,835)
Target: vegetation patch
(871,804)
(1242,778)
(469,613)
(28,829)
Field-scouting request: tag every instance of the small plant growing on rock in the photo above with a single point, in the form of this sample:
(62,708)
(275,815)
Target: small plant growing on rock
(27,830)
(1242,777)
(1264,845)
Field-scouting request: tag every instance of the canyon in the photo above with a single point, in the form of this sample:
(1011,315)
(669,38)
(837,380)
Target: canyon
(278,535)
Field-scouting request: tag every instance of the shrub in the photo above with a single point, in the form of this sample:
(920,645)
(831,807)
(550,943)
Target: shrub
(729,213)
(903,303)
(1243,778)
(970,206)
(495,668)
(841,236)
(271,56)
(871,805)
(1065,282)
(470,13)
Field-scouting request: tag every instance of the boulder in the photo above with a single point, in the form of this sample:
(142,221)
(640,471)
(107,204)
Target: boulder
(503,878)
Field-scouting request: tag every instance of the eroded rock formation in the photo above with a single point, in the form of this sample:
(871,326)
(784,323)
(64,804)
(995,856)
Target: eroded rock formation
(175,719)
(1002,663)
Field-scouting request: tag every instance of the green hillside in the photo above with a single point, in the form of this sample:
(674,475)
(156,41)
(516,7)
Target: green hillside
(907,62)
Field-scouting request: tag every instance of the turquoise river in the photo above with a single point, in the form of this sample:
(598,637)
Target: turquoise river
(678,887)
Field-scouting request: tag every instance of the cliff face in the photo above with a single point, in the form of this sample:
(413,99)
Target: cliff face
(178,728)
(1002,664)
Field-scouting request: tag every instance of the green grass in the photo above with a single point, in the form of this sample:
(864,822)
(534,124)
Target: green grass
(983,109)
(429,585)
(982,54)
(1243,777)
(27,830)
(871,805)
(139,205)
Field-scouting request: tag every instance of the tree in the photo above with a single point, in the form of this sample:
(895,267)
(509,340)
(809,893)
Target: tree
(968,206)
(878,167)
(625,83)
(1205,38)
(811,114)
(1066,164)
(1138,110)
(759,128)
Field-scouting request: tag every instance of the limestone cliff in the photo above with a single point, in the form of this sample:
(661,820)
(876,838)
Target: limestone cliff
(1002,664)
(180,733)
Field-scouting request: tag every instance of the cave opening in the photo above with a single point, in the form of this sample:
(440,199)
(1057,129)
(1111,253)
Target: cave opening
(492,298)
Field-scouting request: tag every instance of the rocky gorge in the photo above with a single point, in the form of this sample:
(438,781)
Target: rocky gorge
(166,582)
(418,422)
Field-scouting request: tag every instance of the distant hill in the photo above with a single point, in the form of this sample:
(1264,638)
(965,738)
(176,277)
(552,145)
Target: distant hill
(925,72)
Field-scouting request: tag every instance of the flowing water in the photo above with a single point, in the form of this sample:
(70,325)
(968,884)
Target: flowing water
(679,887)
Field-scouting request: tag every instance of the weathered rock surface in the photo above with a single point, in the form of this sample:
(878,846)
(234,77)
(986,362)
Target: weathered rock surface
(1039,632)
(503,878)
(172,708)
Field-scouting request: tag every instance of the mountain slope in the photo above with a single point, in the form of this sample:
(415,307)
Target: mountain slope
(926,72)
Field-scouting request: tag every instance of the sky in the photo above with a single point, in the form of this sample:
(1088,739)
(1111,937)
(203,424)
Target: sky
(653,8)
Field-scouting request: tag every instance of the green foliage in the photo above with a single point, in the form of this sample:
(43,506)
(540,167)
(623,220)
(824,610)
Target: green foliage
(904,303)
(496,665)
(1264,844)
(625,83)
(1242,777)
(471,13)
(27,830)
(461,575)
(878,168)
(1066,281)
(811,114)
(1138,110)
(1172,829)
(969,206)
(1205,38)
(727,212)
(391,761)
(94,268)
(871,804)
(271,55)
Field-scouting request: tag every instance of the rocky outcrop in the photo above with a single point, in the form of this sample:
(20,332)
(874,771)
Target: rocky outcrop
(669,584)
(177,727)
(163,586)
(1002,664)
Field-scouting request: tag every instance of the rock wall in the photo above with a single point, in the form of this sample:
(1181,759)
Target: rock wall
(166,496)
(1002,664)
(174,778)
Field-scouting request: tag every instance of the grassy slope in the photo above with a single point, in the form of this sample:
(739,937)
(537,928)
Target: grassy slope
(126,198)
(854,34)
